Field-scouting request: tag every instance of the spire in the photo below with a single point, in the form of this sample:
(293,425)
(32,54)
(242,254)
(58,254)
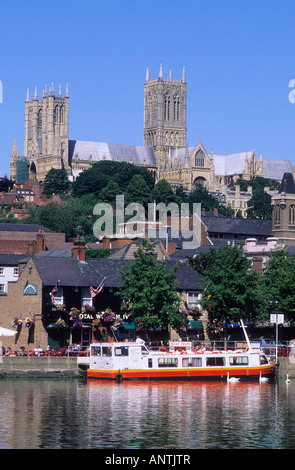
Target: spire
(45,93)
(59,91)
(183,75)
(67,91)
(14,151)
(170,75)
(28,96)
(147,75)
(35,98)
(161,72)
(51,91)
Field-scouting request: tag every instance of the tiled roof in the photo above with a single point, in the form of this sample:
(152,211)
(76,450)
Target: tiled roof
(72,272)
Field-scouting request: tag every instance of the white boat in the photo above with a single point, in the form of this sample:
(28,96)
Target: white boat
(121,360)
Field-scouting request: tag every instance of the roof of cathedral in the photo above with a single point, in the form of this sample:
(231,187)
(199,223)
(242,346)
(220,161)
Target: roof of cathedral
(275,169)
(138,154)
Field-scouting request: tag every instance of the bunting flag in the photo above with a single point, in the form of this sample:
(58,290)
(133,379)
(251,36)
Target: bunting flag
(54,291)
(99,289)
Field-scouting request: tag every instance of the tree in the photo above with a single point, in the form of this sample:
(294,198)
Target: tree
(138,191)
(259,206)
(232,289)
(278,281)
(149,290)
(208,202)
(163,193)
(97,177)
(56,182)
(109,192)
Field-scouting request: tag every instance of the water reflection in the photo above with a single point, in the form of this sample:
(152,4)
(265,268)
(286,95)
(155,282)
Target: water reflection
(147,415)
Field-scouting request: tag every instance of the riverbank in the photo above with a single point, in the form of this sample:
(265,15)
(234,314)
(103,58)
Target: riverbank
(28,366)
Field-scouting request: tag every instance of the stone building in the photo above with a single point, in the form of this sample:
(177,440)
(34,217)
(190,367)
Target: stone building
(164,151)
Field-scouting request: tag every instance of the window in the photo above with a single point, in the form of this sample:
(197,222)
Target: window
(292,215)
(122,351)
(215,361)
(2,288)
(263,359)
(168,362)
(15,271)
(58,296)
(95,351)
(1,271)
(277,215)
(192,362)
(107,351)
(86,298)
(238,361)
(192,298)
(199,158)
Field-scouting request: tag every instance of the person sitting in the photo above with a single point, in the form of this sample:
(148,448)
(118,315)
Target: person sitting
(38,351)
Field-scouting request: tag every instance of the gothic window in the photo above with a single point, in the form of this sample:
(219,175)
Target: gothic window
(61,115)
(39,132)
(199,158)
(167,108)
(176,108)
(277,215)
(292,215)
(56,115)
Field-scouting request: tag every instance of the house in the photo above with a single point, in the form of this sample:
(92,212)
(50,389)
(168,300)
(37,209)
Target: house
(52,283)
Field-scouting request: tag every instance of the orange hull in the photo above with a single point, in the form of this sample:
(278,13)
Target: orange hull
(214,373)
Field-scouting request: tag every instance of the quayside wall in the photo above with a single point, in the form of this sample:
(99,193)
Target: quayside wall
(30,366)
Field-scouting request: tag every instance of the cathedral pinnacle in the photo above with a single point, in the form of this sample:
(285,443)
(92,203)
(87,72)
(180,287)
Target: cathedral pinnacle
(51,91)
(67,91)
(45,94)
(59,91)
(183,75)
(147,75)
(161,72)
(28,96)
(35,98)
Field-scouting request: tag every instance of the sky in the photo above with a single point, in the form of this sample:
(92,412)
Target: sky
(238,55)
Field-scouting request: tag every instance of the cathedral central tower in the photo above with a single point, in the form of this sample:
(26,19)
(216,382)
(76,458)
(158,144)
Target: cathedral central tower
(164,115)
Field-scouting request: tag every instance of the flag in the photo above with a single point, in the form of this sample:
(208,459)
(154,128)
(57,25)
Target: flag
(99,289)
(54,291)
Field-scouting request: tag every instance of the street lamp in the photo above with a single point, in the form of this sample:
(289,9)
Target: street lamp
(276,318)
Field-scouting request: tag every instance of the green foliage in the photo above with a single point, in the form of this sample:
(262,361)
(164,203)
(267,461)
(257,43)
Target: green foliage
(77,212)
(56,182)
(259,206)
(150,291)
(98,176)
(232,286)
(138,191)
(208,202)
(278,281)
(99,253)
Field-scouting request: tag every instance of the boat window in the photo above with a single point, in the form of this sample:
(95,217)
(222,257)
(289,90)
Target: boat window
(107,351)
(168,362)
(144,351)
(95,351)
(238,360)
(191,362)
(122,351)
(215,361)
(263,359)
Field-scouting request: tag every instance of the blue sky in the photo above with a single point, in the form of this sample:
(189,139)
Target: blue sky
(239,59)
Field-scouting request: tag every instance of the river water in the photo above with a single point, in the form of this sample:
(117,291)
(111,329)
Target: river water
(75,414)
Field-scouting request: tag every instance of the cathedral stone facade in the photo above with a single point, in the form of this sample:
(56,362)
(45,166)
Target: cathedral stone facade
(164,151)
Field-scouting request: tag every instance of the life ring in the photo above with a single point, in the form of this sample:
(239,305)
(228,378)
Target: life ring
(119,378)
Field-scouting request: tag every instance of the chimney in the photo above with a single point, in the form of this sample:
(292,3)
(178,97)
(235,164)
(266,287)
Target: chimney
(79,248)
(106,243)
(40,241)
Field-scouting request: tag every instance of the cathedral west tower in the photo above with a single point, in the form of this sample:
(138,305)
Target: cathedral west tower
(164,115)
(47,132)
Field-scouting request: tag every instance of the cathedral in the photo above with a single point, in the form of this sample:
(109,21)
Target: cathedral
(164,152)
